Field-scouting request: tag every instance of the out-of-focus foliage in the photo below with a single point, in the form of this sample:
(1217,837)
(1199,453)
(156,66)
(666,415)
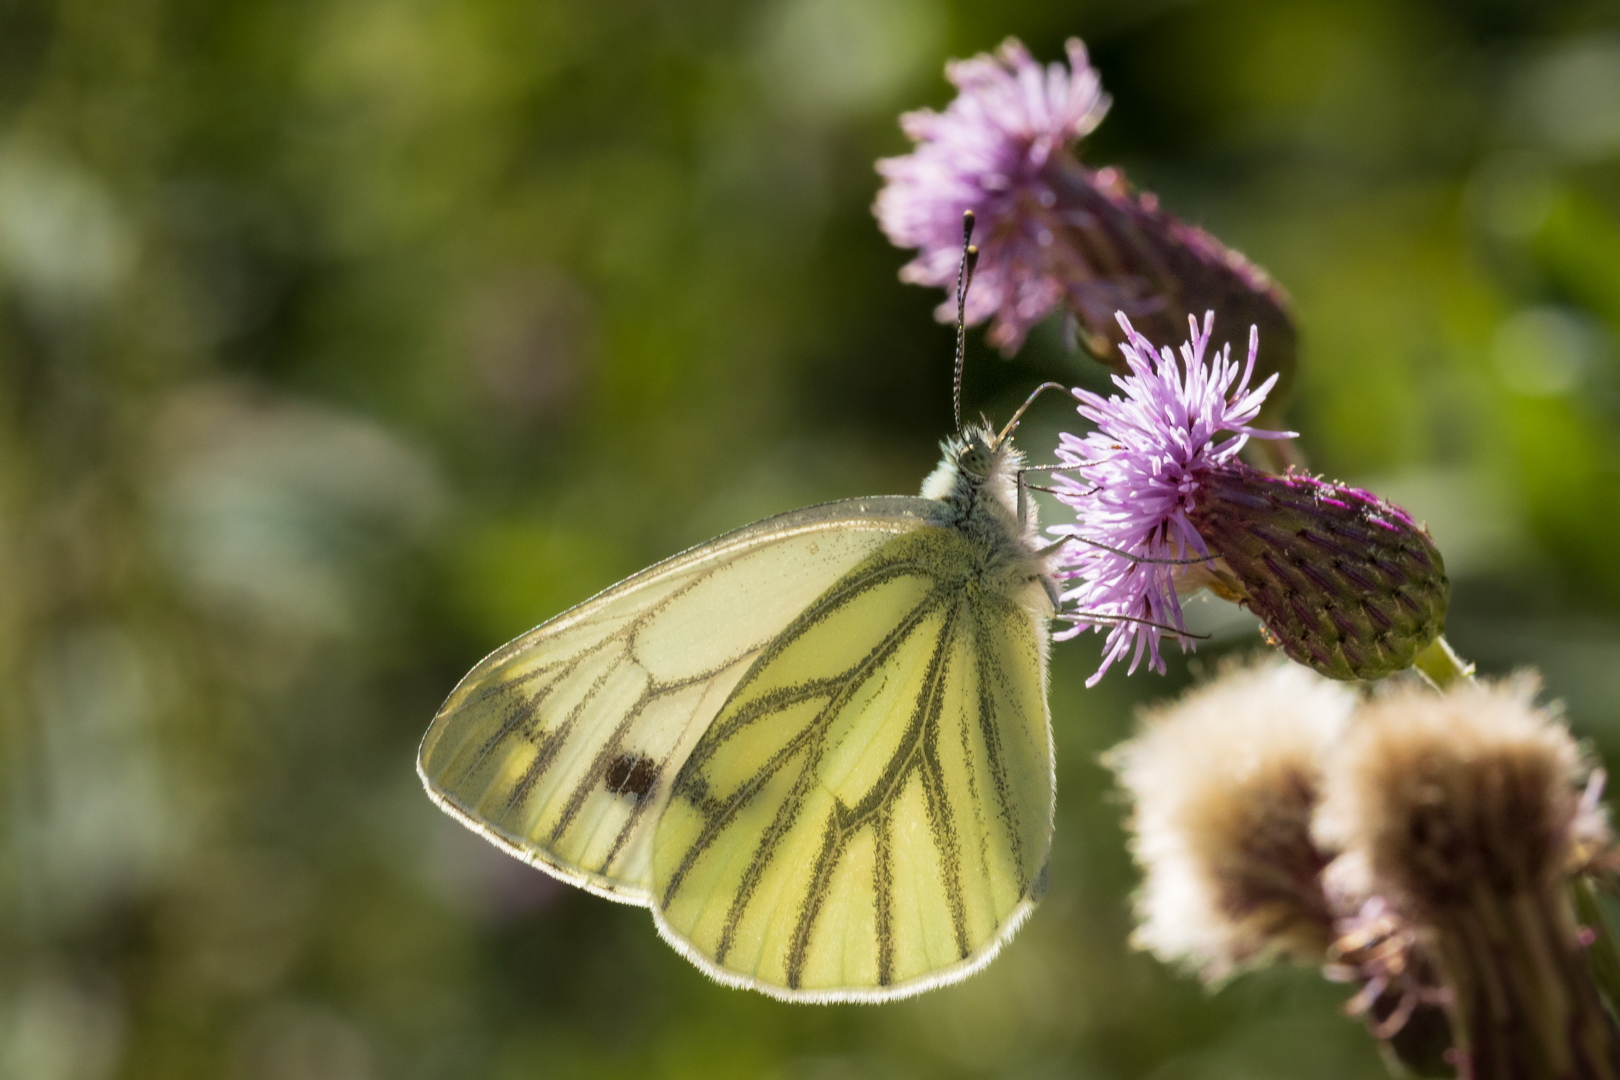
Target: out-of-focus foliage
(341,341)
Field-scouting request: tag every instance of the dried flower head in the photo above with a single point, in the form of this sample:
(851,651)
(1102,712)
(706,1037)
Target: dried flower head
(1223,783)
(1467,813)
(1439,796)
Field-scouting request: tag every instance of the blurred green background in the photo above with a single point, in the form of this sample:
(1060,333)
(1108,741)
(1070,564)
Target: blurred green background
(341,341)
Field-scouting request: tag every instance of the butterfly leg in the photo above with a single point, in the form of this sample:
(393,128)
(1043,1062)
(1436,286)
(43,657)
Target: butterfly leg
(1024,487)
(1047,580)
(1052,592)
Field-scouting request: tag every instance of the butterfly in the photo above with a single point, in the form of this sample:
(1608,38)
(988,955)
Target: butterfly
(818,747)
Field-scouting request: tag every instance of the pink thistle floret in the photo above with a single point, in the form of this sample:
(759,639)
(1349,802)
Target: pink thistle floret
(988,152)
(1134,481)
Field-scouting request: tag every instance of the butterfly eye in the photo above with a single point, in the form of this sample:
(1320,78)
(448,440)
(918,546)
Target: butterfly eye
(975,458)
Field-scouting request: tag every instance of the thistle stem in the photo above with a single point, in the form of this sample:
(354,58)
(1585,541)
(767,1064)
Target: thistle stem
(1602,955)
(1522,1002)
(1441,664)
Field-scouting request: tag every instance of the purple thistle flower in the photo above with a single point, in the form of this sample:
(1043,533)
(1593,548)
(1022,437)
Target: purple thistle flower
(988,152)
(1346,583)
(1053,232)
(1136,480)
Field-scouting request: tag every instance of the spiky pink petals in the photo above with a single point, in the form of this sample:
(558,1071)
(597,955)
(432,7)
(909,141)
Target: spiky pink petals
(1053,233)
(989,152)
(1134,481)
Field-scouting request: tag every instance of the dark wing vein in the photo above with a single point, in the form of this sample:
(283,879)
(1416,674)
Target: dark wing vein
(991,675)
(883,888)
(941,821)
(528,710)
(554,740)
(921,729)
(848,589)
(690,777)
(524,713)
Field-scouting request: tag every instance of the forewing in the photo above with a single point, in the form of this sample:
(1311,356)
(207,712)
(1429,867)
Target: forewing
(560,746)
(871,812)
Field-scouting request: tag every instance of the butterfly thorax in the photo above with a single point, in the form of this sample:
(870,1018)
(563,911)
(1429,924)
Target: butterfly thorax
(977,478)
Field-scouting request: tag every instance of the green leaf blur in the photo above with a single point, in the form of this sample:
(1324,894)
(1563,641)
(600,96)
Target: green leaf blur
(341,341)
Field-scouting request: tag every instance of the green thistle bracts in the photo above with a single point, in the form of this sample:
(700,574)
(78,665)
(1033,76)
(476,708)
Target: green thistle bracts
(1346,583)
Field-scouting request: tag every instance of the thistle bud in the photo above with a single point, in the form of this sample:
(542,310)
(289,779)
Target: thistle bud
(1346,583)
(1163,270)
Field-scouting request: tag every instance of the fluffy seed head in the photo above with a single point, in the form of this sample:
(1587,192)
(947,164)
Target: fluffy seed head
(1433,797)
(1223,783)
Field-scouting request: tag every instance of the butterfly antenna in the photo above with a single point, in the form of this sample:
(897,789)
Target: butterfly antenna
(1012,425)
(964,278)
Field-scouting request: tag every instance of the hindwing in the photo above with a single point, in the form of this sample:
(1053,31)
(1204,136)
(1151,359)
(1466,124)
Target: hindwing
(870,812)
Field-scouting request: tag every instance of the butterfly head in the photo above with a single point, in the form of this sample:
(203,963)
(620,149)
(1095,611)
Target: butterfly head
(976,460)
(976,454)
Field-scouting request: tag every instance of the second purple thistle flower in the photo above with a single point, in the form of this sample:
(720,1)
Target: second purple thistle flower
(1344,582)
(993,151)
(1056,234)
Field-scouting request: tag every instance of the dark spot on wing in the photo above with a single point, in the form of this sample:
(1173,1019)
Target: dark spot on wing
(1038,887)
(631,774)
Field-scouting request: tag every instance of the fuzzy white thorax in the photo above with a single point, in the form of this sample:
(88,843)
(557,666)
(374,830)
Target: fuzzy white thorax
(986,508)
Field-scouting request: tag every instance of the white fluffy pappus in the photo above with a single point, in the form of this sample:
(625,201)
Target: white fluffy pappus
(1223,784)
(1433,796)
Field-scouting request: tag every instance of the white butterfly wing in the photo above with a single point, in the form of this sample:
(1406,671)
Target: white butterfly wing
(870,813)
(561,746)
